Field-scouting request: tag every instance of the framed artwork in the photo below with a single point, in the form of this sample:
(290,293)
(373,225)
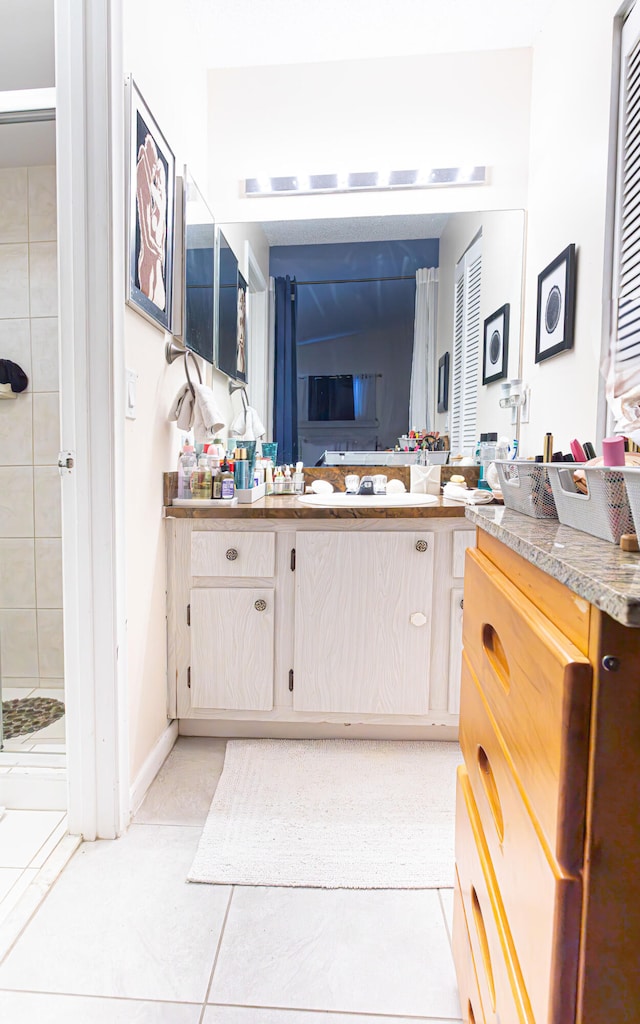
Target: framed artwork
(443,383)
(150,213)
(556,305)
(496,345)
(241,331)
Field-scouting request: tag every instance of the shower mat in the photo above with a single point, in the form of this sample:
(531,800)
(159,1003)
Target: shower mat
(29,714)
(333,814)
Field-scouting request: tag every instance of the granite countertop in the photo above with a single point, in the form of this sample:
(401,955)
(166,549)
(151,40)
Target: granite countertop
(288,507)
(596,570)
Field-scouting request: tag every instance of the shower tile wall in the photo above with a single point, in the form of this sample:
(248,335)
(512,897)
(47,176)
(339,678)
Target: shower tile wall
(30,526)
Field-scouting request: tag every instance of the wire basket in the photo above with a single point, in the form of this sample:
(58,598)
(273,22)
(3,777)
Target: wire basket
(603,512)
(631,477)
(525,488)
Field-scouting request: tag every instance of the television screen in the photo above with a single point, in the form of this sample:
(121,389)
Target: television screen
(331,397)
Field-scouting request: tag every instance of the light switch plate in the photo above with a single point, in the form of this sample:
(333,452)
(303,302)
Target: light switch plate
(131,396)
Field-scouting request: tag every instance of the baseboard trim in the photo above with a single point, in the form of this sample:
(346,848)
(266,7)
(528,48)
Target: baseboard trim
(314,730)
(155,759)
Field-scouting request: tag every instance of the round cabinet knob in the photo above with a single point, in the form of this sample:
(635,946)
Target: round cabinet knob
(417,619)
(260,605)
(462,602)
(421,545)
(232,554)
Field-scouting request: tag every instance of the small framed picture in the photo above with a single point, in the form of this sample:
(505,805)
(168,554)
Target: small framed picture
(496,345)
(556,305)
(150,213)
(443,383)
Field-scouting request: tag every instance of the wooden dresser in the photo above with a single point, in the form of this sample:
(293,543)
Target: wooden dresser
(546,923)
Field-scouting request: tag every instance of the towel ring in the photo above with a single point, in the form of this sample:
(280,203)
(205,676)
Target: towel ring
(173,351)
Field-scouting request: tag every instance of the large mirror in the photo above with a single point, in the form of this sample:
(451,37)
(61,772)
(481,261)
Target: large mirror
(355,322)
(231,319)
(199,271)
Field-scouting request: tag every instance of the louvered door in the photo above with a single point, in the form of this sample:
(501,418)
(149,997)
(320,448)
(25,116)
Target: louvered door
(466,349)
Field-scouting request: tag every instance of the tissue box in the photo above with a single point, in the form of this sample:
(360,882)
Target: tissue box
(249,495)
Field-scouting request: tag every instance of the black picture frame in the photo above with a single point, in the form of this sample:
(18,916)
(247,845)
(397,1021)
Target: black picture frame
(556,305)
(151,170)
(495,352)
(443,383)
(241,331)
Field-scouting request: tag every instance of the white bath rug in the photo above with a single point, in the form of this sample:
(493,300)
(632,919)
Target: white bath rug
(332,814)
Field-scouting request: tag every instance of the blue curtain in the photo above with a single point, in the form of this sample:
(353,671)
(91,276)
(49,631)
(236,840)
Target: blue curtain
(285,401)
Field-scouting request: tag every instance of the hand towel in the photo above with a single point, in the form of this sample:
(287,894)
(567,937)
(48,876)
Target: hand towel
(182,408)
(207,421)
(248,425)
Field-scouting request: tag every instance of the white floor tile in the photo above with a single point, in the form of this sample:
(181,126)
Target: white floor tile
(357,951)
(24,1007)
(22,834)
(25,877)
(183,789)
(8,876)
(123,922)
(252,1015)
(446,897)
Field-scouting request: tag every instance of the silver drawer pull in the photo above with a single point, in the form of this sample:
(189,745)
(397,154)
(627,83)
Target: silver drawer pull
(421,545)
(260,605)
(232,554)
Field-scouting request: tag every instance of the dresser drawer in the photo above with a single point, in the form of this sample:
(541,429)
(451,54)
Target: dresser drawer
(470,1002)
(232,554)
(542,905)
(502,993)
(538,688)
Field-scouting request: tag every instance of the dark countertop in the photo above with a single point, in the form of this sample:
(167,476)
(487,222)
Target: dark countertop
(288,507)
(602,573)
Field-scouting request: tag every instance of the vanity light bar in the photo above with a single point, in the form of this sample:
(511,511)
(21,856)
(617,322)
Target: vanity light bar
(364,181)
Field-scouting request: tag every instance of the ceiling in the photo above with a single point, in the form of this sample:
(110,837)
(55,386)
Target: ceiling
(257,32)
(353,229)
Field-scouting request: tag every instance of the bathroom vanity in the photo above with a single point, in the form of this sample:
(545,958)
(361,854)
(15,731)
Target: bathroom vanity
(546,928)
(285,619)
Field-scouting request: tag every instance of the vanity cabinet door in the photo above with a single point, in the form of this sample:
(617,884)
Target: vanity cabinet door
(363,622)
(232,649)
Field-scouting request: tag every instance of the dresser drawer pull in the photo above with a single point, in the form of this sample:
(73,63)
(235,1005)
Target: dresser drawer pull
(484,946)
(489,783)
(495,653)
(232,554)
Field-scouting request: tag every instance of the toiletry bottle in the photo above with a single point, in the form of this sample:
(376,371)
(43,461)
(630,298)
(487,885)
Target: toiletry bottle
(216,479)
(487,456)
(268,472)
(227,485)
(241,469)
(298,479)
(502,448)
(278,482)
(186,465)
(201,479)
(288,482)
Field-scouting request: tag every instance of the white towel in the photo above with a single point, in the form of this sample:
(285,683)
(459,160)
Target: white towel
(182,408)
(248,425)
(207,421)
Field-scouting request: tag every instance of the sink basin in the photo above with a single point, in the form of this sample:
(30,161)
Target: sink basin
(340,500)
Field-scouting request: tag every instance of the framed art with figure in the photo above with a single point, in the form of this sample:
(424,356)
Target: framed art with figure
(150,213)
(241,331)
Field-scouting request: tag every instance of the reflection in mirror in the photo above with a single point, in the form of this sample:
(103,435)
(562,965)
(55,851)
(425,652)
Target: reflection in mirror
(199,271)
(356,324)
(227,305)
(241,331)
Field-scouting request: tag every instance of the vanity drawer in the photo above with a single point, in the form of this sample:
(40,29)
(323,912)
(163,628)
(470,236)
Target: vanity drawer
(542,904)
(502,992)
(470,1002)
(232,554)
(537,686)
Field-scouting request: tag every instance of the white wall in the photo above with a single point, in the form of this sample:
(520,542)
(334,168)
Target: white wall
(502,267)
(438,110)
(568,195)
(164,58)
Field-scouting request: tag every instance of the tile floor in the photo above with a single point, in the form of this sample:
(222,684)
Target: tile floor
(122,938)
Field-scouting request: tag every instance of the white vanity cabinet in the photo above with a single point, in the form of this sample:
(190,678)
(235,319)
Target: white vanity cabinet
(363,622)
(277,627)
